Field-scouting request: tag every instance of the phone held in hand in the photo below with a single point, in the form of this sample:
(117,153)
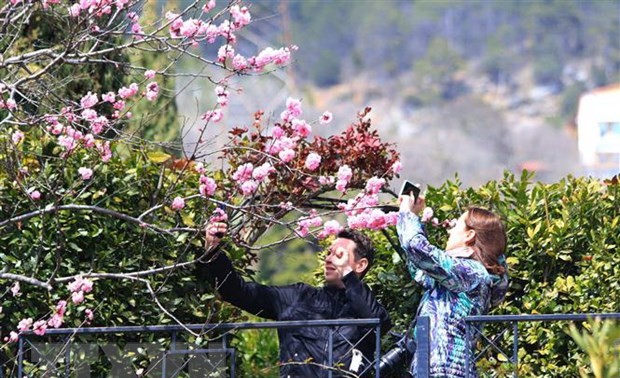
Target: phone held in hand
(410,189)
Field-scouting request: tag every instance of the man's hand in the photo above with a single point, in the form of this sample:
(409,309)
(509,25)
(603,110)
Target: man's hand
(341,262)
(407,204)
(214,233)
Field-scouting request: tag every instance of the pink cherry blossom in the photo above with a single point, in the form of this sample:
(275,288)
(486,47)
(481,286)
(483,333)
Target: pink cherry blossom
(332,227)
(241,16)
(302,231)
(207,186)
(249,187)
(89,114)
(24,324)
(341,185)
(302,128)
(74,10)
(326,118)
(119,105)
(104,150)
(77,297)
(149,74)
(11,104)
(99,124)
(213,115)
(326,180)
(67,142)
(89,100)
(56,128)
(15,289)
(109,97)
(313,160)
(345,173)
(208,6)
(178,203)
(80,284)
(17,137)
(293,106)
(286,205)
(260,173)
(286,155)
(13,337)
(88,140)
(136,29)
(377,220)
(126,92)
(86,173)
(55,321)
(270,55)
(239,63)
(61,307)
(199,168)
(313,220)
(391,218)
(277,132)
(358,222)
(39,327)
(225,52)
(374,185)
(152,91)
(397,167)
(89,315)
(189,28)
(243,172)
(34,194)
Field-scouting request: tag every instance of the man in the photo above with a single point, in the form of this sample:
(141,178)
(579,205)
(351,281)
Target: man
(304,351)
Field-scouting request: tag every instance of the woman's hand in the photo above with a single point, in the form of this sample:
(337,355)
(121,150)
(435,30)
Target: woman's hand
(407,204)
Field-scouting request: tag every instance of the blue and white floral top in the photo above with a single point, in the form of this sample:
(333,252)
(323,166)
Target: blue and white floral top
(454,288)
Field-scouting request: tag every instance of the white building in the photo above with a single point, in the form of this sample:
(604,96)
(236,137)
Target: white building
(598,131)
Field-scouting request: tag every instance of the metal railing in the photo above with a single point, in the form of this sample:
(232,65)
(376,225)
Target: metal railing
(474,328)
(61,360)
(222,333)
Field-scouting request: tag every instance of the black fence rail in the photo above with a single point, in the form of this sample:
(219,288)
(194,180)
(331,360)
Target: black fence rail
(175,354)
(55,354)
(475,330)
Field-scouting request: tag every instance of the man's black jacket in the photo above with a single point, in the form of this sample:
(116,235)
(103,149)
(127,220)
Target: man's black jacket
(300,301)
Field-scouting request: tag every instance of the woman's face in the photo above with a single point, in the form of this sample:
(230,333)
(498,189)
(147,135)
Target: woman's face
(459,234)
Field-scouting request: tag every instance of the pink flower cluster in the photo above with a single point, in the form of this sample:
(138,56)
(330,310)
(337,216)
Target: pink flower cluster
(331,227)
(77,288)
(207,186)
(9,104)
(344,176)
(361,211)
(304,224)
(313,160)
(152,91)
(243,176)
(178,203)
(86,173)
(98,8)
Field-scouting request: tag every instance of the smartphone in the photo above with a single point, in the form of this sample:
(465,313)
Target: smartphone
(222,207)
(410,189)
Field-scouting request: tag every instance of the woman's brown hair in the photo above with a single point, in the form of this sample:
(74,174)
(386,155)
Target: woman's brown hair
(490,241)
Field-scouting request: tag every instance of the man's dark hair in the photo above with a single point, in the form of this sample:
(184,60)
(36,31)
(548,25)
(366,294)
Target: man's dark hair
(363,245)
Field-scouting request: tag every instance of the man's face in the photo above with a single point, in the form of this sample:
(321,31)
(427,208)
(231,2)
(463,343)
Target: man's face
(339,255)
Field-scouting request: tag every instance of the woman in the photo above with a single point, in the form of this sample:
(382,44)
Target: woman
(468,278)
